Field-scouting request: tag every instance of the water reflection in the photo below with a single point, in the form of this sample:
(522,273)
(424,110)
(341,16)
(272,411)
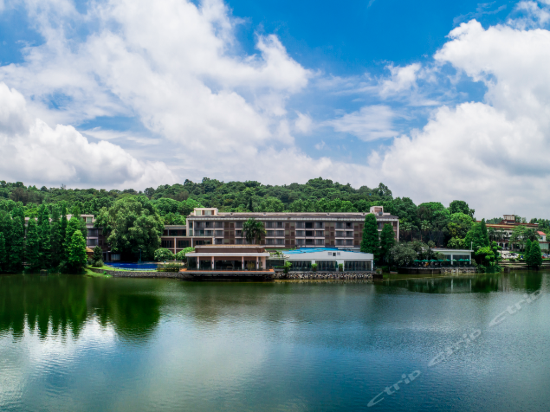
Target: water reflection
(62,304)
(503,282)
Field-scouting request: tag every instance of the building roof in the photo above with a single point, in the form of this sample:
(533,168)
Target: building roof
(541,233)
(292,215)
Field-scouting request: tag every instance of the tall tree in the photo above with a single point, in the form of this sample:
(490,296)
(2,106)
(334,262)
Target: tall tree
(3,254)
(63,227)
(76,258)
(17,240)
(44,233)
(527,248)
(253,231)
(534,256)
(132,224)
(32,246)
(371,239)
(56,240)
(387,241)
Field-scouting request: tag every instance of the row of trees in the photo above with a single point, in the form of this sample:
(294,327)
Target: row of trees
(50,242)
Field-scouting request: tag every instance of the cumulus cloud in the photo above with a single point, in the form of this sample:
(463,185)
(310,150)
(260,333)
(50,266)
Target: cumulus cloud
(402,78)
(492,153)
(34,151)
(369,123)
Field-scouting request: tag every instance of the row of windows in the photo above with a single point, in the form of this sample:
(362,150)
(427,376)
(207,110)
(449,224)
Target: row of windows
(169,244)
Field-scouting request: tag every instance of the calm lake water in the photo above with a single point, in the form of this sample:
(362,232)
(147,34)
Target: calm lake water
(76,343)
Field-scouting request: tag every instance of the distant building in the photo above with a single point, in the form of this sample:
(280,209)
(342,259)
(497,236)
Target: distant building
(283,230)
(328,259)
(505,228)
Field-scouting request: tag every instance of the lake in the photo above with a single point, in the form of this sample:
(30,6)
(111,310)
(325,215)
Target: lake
(79,343)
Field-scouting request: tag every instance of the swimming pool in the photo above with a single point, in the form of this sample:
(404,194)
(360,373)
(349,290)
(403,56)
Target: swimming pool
(133,266)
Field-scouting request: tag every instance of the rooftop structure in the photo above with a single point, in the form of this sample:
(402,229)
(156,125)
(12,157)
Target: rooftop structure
(283,230)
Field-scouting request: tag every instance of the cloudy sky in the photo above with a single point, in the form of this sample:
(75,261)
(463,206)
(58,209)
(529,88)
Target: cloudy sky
(438,100)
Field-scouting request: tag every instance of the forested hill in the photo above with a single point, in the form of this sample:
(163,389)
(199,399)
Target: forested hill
(315,195)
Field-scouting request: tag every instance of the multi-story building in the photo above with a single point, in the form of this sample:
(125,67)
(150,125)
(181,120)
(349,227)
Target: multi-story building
(503,232)
(283,230)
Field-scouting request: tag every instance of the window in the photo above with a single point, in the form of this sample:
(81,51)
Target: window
(300,241)
(89,220)
(208,233)
(319,241)
(115,256)
(339,225)
(300,233)
(339,242)
(239,233)
(219,232)
(309,232)
(349,234)
(300,225)
(349,242)
(208,213)
(280,232)
(319,233)
(348,225)
(183,243)
(309,225)
(318,225)
(167,244)
(91,242)
(219,224)
(357,265)
(339,233)
(268,225)
(172,233)
(92,233)
(280,241)
(326,265)
(270,241)
(270,233)
(301,265)
(219,242)
(309,242)
(280,225)
(238,241)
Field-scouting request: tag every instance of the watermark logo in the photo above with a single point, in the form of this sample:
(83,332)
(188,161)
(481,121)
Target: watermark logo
(467,340)
(406,379)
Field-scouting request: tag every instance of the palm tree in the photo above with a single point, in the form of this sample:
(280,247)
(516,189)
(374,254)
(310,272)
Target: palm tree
(253,231)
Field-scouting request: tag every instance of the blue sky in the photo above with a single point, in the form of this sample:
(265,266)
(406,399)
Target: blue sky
(436,99)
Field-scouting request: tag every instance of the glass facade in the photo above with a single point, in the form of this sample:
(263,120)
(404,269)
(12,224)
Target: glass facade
(326,265)
(350,266)
(300,265)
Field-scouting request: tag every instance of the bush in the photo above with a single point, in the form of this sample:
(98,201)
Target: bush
(314,267)
(181,254)
(287,266)
(97,264)
(162,255)
(341,267)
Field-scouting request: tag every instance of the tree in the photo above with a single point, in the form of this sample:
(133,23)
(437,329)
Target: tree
(63,225)
(17,242)
(98,254)
(74,224)
(460,206)
(456,243)
(181,254)
(527,248)
(44,237)
(32,246)
(163,254)
(477,236)
(387,241)
(132,224)
(534,256)
(76,258)
(56,239)
(371,239)
(403,254)
(3,254)
(253,231)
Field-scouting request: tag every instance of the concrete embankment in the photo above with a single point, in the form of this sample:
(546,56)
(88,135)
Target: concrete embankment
(141,274)
(324,275)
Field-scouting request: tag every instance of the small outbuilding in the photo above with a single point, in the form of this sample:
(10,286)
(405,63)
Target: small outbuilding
(329,259)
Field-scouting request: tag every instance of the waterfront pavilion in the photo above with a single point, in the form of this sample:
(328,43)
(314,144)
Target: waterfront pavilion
(227,258)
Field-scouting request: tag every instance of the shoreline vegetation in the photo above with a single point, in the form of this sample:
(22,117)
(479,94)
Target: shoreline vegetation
(132,221)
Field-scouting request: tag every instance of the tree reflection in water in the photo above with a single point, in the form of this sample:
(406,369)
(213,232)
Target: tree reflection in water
(60,304)
(527,281)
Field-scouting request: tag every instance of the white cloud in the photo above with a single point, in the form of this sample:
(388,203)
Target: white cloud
(303,123)
(402,79)
(494,153)
(33,151)
(369,123)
